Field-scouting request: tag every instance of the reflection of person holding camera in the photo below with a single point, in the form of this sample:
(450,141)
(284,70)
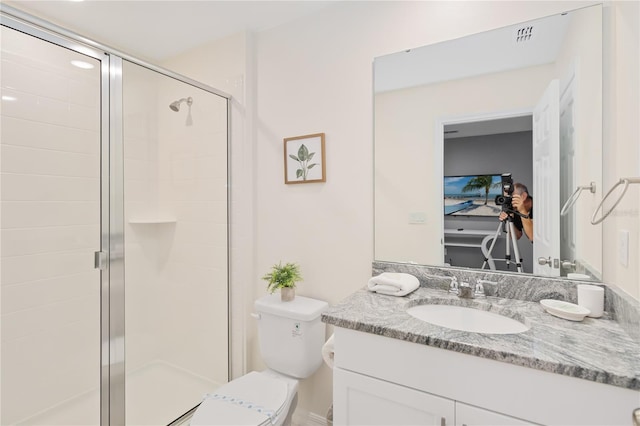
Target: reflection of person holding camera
(522,202)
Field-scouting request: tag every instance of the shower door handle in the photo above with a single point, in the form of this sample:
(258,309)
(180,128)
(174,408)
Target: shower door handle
(100,260)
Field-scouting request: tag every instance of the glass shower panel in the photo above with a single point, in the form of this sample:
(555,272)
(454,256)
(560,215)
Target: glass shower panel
(49,231)
(175,234)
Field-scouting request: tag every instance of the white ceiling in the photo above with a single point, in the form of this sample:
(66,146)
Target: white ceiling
(482,53)
(156,30)
(489,127)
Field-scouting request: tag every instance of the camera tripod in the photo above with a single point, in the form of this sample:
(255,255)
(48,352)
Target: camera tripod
(510,240)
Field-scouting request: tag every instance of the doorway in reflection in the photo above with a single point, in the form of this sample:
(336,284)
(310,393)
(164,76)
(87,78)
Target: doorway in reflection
(475,152)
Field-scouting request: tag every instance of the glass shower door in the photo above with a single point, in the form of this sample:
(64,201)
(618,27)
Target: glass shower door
(175,240)
(50,227)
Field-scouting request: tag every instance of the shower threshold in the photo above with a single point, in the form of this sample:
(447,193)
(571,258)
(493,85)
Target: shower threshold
(146,403)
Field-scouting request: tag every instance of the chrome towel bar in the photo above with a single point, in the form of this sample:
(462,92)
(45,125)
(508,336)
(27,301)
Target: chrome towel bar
(574,197)
(623,181)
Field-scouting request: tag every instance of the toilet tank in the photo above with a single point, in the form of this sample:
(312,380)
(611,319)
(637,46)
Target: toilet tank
(291,334)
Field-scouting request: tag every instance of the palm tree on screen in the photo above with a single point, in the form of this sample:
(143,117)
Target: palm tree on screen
(481,182)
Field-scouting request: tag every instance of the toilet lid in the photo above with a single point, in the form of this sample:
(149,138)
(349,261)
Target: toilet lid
(253,399)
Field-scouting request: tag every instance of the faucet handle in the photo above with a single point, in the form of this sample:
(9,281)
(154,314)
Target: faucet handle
(453,287)
(480,286)
(479,289)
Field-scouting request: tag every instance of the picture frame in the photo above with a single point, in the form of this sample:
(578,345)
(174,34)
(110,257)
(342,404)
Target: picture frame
(304,159)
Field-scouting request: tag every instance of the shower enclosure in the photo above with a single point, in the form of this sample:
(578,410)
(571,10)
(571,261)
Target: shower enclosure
(113,232)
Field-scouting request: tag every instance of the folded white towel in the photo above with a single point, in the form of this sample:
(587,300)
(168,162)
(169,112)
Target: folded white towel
(393,283)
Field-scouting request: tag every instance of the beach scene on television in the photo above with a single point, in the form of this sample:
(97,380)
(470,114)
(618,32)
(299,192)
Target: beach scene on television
(472,195)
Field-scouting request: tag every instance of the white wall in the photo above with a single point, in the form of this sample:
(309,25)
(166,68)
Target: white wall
(314,75)
(621,136)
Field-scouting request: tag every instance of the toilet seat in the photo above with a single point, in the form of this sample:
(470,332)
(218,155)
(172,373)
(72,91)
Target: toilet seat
(254,399)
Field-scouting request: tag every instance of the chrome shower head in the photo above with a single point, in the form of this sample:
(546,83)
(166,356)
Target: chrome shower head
(175,106)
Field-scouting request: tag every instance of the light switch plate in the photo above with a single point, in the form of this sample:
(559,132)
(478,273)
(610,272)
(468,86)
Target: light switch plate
(417,217)
(623,247)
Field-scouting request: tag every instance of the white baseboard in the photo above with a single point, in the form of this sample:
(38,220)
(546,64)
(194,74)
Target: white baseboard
(307,418)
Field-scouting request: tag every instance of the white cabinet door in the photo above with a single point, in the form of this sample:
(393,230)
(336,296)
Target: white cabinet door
(467,415)
(362,400)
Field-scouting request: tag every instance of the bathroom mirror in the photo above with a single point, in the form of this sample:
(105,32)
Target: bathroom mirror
(452,117)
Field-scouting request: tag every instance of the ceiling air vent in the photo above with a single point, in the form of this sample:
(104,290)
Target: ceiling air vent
(524,34)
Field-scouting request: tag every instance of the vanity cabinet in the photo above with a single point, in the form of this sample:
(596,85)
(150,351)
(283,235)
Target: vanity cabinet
(363,400)
(385,381)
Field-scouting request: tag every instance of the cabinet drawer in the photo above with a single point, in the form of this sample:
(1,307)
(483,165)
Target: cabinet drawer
(363,400)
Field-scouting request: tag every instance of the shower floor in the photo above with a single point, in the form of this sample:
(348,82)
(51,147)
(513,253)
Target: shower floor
(156,394)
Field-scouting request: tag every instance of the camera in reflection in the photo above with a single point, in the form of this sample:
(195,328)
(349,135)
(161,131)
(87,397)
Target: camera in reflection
(506,198)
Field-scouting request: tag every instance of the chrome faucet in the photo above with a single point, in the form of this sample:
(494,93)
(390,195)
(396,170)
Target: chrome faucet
(465,291)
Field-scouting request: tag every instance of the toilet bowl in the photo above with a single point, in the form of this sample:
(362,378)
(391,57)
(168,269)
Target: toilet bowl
(291,336)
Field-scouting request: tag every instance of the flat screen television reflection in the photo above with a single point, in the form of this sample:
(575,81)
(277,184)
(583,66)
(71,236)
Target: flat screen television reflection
(472,195)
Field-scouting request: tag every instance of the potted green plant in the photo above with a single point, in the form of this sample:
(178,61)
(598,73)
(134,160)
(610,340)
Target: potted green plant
(283,277)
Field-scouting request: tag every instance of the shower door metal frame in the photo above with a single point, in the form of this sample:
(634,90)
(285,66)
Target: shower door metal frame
(116,320)
(112,279)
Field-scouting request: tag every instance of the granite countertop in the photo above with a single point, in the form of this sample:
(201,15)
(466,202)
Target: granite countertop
(596,349)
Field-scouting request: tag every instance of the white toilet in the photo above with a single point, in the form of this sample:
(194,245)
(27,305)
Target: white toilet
(291,336)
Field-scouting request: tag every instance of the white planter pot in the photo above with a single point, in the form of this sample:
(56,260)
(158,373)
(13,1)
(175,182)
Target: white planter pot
(287,294)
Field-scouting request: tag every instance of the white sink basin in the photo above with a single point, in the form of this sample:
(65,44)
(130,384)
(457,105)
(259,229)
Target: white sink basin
(467,319)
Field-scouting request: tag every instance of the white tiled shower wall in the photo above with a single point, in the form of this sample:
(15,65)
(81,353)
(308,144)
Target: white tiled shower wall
(175,269)
(50,226)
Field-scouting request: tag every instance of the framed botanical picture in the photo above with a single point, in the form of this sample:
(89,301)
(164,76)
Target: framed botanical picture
(304,159)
